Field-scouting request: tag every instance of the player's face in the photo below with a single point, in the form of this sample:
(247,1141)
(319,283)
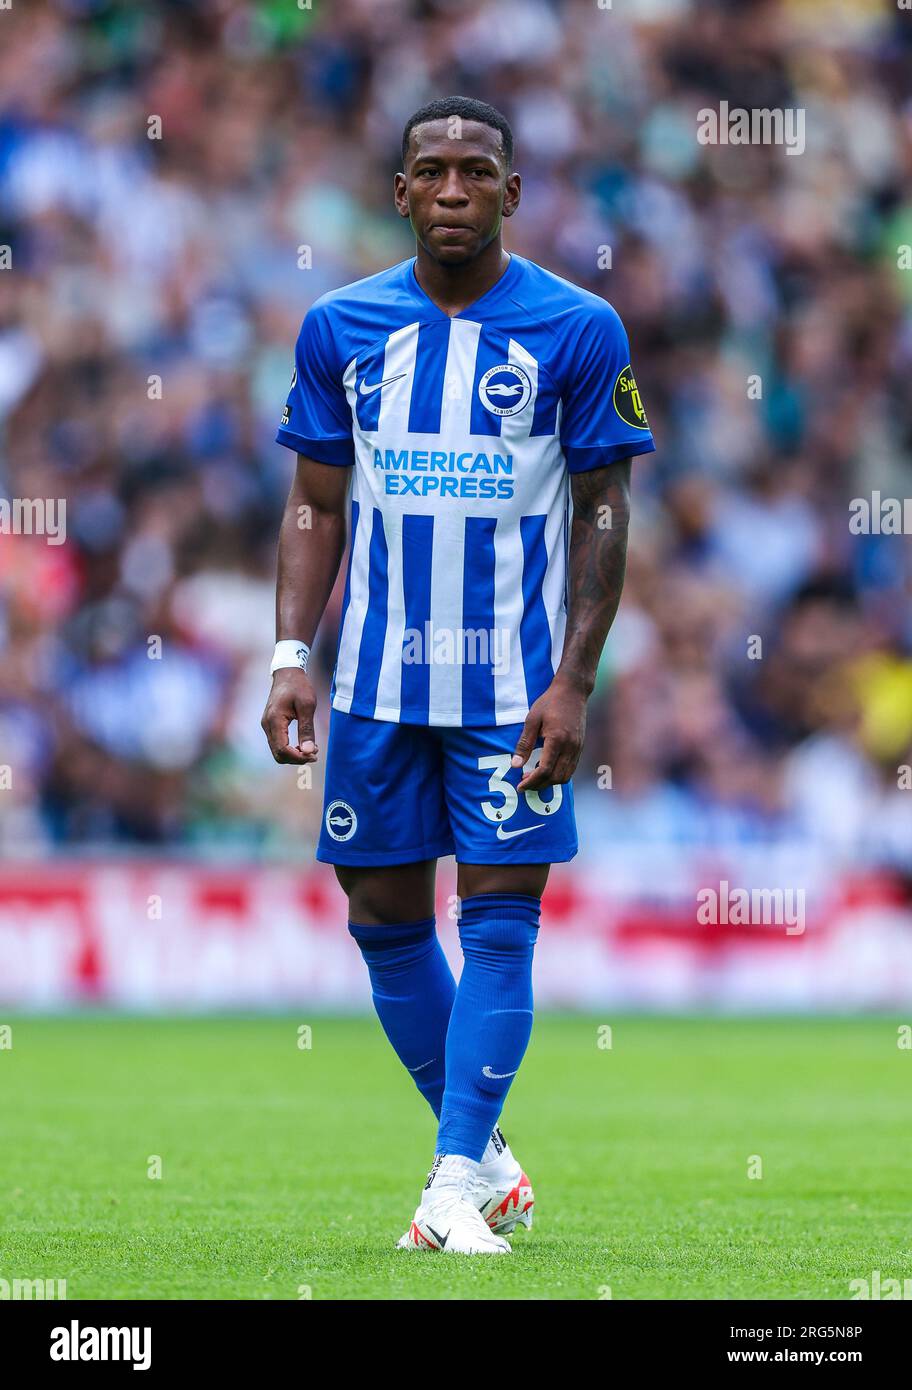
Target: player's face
(455,191)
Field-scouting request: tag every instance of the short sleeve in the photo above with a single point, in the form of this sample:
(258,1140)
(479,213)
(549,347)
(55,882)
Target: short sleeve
(317,420)
(602,415)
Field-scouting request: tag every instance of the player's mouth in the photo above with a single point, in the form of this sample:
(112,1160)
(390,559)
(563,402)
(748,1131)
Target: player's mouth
(450,229)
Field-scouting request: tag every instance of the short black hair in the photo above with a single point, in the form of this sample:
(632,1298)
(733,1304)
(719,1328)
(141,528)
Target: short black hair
(469,110)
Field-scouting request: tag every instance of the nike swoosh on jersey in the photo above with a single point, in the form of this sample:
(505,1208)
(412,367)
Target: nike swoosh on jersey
(366,390)
(497,1075)
(508,834)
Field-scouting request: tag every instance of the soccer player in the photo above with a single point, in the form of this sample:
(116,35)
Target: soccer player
(468,419)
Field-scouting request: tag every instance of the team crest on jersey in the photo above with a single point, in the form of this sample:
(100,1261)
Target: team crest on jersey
(505,390)
(341,821)
(627,401)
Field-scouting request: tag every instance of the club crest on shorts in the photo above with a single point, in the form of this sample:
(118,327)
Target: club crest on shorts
(505,390)
(341,821)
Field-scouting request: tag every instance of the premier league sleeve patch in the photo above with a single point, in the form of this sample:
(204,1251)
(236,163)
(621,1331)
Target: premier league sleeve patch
(627,401)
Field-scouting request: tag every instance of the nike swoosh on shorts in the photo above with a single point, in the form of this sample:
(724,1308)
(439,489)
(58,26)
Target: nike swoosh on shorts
(508,834)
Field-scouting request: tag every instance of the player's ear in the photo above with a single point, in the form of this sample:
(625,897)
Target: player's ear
(512,194)
(400,195)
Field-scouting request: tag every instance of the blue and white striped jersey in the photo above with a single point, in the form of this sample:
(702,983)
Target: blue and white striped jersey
(462,433)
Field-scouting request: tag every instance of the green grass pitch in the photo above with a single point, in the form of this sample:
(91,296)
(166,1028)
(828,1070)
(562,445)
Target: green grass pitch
(287,1170)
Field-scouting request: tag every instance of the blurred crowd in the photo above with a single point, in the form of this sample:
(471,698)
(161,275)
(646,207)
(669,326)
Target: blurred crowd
(161,168)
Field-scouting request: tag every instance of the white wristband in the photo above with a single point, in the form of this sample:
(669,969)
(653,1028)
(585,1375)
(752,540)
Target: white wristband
(290,653)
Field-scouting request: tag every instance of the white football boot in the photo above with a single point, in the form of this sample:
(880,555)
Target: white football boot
(502,1191)
(503,1195)
(447,1218)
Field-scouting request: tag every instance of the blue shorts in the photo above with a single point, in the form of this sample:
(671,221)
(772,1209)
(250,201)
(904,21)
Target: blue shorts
(398,793)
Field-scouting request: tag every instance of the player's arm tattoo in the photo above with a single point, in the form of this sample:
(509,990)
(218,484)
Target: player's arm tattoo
(598,558)
(598,561)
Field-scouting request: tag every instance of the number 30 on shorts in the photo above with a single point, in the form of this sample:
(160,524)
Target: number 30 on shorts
(500,765)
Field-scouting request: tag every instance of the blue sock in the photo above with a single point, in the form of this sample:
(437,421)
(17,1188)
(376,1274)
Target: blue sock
(413,989)
(491,1019)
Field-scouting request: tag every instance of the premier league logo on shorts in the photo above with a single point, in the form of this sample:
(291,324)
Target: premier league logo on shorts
(341,821)
(505,390)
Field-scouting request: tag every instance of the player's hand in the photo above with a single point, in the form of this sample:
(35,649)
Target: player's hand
(557,720)
(291,698)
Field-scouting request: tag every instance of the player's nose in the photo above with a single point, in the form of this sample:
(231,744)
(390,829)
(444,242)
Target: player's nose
(452,192)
